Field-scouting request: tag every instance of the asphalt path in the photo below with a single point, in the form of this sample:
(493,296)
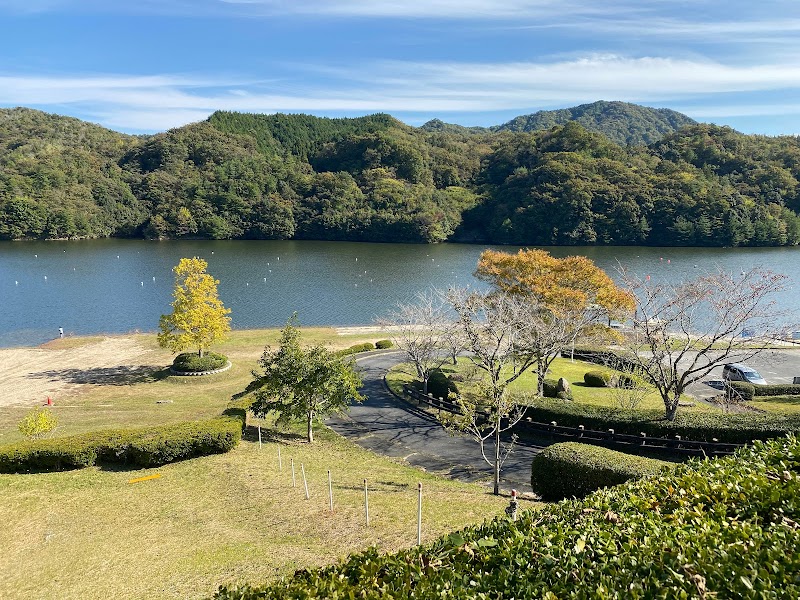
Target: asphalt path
(776,366)
(393,427)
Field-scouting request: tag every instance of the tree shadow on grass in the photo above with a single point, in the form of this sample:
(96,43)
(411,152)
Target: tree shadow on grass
(271,436)
(122,375)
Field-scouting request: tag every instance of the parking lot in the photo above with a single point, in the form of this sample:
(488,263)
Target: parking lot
(776,366)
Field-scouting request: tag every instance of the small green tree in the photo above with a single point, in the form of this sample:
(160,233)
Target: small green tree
(198,317)
(303,383)
(37,423)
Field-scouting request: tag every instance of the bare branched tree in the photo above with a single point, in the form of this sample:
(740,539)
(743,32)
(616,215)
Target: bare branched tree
(498,330)
(682,331)
(424,331)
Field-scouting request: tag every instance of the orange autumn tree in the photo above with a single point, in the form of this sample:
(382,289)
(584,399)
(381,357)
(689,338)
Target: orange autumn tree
(571,296)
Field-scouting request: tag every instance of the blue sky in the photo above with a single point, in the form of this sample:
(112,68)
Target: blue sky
(148,65)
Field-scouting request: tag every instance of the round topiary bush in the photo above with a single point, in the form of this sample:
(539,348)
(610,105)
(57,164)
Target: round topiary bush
(383,344)
(596,378)
(550,388)
(190,362)
(440,385)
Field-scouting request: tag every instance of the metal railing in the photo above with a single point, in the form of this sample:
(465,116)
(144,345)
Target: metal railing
(609,437)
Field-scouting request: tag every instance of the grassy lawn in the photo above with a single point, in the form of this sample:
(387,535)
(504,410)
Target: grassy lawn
(572,371)
(213,520)
(148,395)
(218,519)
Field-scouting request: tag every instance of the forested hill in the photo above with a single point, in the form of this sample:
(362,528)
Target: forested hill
(621,122)
(374,178)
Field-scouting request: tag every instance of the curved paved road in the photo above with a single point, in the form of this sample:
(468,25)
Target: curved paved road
(392,427)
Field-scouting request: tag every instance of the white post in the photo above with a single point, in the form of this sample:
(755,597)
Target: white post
(419,514)
(280,462)
(366,502)
(259,437)
(294,483)
(330,490)
(305,483)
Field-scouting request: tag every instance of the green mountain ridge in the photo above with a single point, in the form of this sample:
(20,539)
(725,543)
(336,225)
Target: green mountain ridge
(374,178)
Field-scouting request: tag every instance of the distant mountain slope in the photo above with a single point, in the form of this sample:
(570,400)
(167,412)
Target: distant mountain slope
(621,122)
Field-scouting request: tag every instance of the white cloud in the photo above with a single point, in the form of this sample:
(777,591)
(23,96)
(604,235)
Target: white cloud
(158,102)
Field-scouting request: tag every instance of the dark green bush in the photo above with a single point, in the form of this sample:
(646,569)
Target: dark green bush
(735,428)
(190,362)
(574,470)
(440,385)
(365,347)
(745,390)
(597,378)
(383,344)
(785,389)
(721,528)
(145,447)
(550,388)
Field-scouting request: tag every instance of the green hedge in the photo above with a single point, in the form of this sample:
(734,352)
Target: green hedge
(145,447)
(786,389)
(574,470)
(550,388)
(365,347)
(597,378)
(383,344)
(440,385)
(723,528)
(190,362)
(745,390)
(732,428)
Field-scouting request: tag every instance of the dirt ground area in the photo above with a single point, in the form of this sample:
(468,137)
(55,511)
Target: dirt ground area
(60,369)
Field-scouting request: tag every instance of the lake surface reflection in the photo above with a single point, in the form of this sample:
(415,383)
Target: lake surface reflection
(116,286)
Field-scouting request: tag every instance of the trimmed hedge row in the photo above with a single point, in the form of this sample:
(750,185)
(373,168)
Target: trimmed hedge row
(190,362)
(597,378)
(571,469)
(365,347)
(144,447)
(730,428)
(383,344)
(723,528)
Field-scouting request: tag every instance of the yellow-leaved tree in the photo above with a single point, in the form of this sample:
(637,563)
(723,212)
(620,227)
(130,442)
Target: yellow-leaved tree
(198,317)
(572,296)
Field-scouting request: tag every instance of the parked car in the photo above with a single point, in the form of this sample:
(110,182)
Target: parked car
(740,372)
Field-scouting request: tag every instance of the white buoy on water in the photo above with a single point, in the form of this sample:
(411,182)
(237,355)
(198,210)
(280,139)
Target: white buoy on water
(45,277)
(142,283)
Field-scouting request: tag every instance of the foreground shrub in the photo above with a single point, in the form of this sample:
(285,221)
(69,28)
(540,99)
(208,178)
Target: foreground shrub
(383,344)
(190,362)
(365,347)
(734,428)
(144,447)
(574,470)
(597,378)
(724,528)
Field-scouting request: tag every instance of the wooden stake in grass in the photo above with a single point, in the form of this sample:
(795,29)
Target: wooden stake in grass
(294,483)
(280,462)
(419,514)
(330,491)
(366,502)
(305,483)
(259,437)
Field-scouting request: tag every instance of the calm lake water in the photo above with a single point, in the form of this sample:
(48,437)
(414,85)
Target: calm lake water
(116,286)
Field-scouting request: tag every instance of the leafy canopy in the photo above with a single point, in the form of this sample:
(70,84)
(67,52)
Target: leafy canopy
(198,317)
(303,382)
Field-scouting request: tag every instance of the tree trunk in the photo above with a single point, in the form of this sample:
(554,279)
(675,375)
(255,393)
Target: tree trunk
(311,427)
(671,409)
(541,373)
(497,457)
(425,385)
(200,352)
